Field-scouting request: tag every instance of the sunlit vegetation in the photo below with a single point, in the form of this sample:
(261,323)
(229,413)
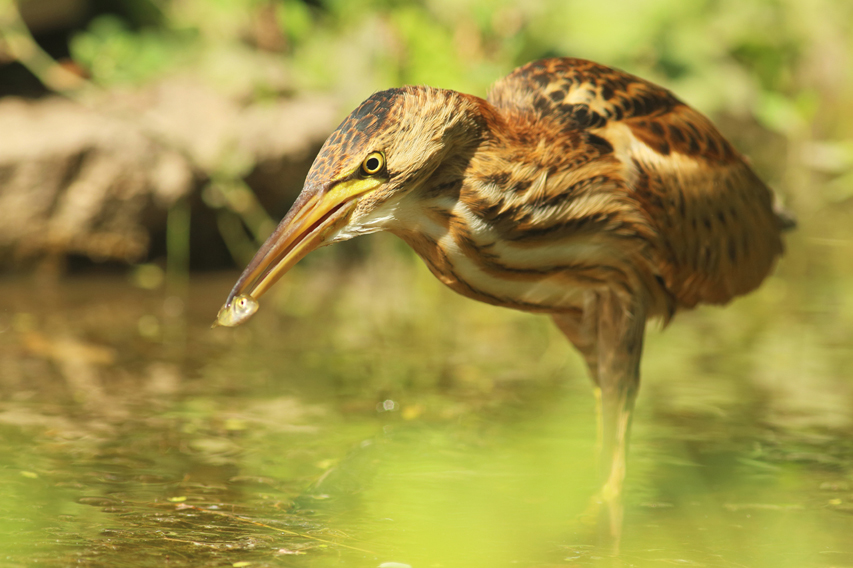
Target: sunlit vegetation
(369,415)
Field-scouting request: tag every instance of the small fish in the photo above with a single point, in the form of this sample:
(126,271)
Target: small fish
(237,311)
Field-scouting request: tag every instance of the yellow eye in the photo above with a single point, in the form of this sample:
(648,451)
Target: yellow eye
(373,163)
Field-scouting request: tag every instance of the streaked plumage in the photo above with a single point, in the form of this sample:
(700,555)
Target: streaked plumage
(595,178)
(574,189)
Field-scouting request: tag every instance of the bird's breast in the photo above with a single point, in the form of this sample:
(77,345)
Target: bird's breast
(472,258)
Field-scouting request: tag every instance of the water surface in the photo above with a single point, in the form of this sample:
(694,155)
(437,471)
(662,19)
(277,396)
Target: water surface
(368,416)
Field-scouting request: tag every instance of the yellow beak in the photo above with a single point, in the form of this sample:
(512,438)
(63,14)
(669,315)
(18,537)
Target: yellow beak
(305,227)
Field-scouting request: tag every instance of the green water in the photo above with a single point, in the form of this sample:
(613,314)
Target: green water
(368,416)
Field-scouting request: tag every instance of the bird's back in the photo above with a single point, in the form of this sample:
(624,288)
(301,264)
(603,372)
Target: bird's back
(710,228)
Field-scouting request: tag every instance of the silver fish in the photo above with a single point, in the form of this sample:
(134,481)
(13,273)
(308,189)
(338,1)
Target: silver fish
(237,311)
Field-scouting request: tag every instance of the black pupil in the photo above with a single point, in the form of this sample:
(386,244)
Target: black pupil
(371,165)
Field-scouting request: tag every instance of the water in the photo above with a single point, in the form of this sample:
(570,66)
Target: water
(368,416)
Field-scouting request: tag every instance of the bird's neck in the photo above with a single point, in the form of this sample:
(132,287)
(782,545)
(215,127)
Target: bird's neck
(521,219)
(458,218)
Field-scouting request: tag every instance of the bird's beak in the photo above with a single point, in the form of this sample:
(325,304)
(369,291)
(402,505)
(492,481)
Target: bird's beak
(313,218)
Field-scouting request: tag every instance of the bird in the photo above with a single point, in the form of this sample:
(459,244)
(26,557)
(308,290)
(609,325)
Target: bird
(573,189)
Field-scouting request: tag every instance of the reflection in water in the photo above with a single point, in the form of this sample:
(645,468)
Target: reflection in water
(413,429)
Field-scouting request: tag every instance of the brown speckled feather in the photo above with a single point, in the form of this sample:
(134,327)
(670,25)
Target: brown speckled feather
(675,180)
(575,190)
(571,179)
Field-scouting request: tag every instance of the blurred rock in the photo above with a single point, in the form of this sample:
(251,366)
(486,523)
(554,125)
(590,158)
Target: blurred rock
(98,179)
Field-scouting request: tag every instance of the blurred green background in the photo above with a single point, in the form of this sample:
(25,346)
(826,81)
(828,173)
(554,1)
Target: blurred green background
(366,409)
(774,75)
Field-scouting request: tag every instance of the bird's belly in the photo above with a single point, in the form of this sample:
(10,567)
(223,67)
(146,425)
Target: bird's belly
(523,290)
(484,279)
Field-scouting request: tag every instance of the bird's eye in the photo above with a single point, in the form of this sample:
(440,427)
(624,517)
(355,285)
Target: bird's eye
(373,163)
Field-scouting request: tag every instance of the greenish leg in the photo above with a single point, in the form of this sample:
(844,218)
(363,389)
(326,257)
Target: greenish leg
(610,338)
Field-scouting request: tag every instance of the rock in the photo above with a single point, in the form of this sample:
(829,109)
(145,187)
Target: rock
(98,178)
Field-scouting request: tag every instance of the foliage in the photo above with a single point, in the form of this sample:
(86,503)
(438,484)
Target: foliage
(782,63)
(115,54)
(756,45)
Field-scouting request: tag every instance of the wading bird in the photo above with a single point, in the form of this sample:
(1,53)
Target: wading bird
(574,190)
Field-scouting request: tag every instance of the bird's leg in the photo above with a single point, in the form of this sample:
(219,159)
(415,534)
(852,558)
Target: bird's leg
(619,344)
(581,330)
(609,335)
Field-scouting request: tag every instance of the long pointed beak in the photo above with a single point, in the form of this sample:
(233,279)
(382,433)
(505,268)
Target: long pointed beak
(305,227)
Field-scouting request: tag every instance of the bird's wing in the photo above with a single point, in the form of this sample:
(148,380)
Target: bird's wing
(712,222)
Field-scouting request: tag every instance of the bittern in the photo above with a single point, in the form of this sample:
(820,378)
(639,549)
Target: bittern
(573,189)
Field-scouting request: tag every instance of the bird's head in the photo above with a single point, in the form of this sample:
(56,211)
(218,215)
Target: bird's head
(395,144)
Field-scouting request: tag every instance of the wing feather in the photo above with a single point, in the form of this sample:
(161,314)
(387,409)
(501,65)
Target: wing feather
(714,231)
